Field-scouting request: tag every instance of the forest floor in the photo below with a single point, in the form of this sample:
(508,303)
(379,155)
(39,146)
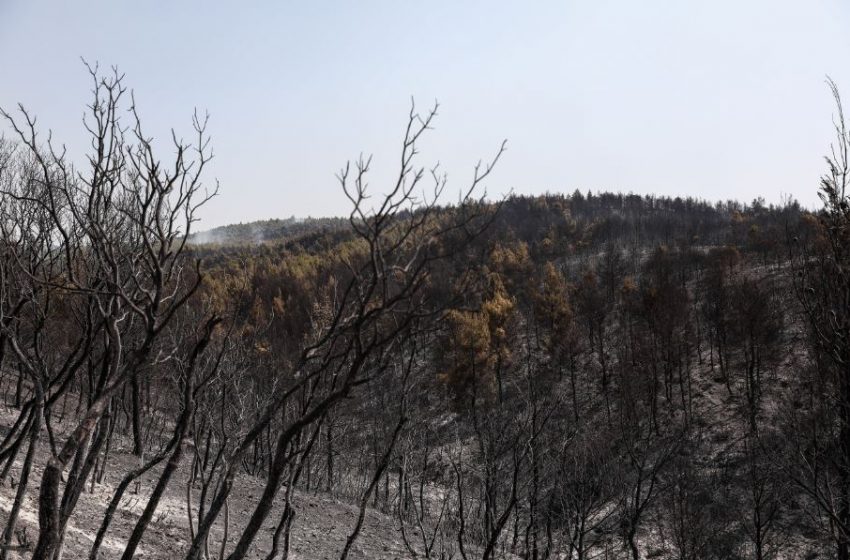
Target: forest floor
(320,530)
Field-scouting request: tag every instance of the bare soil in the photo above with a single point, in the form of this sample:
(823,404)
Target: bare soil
(322,523)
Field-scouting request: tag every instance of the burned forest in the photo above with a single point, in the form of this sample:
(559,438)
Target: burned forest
(562,376)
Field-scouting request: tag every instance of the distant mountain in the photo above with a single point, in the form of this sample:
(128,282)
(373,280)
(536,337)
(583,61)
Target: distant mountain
(267,231)
(553,224)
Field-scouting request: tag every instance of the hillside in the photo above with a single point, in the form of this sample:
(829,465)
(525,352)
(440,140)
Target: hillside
(574,376)
(266,231)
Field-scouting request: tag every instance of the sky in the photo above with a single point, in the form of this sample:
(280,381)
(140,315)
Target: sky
(722,99)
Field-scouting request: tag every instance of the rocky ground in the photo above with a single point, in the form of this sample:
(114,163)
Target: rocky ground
(320,530)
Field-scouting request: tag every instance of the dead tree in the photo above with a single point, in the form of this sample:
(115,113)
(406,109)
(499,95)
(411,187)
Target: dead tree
(822,276)
(117,229)
(380,296)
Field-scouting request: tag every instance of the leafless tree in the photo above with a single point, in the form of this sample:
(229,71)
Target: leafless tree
(110,237)
(380,296)
(823,289)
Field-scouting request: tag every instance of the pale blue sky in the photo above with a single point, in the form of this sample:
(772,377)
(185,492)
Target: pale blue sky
(716,99)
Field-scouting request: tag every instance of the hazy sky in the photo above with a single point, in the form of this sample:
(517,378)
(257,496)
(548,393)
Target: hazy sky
(716,99)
